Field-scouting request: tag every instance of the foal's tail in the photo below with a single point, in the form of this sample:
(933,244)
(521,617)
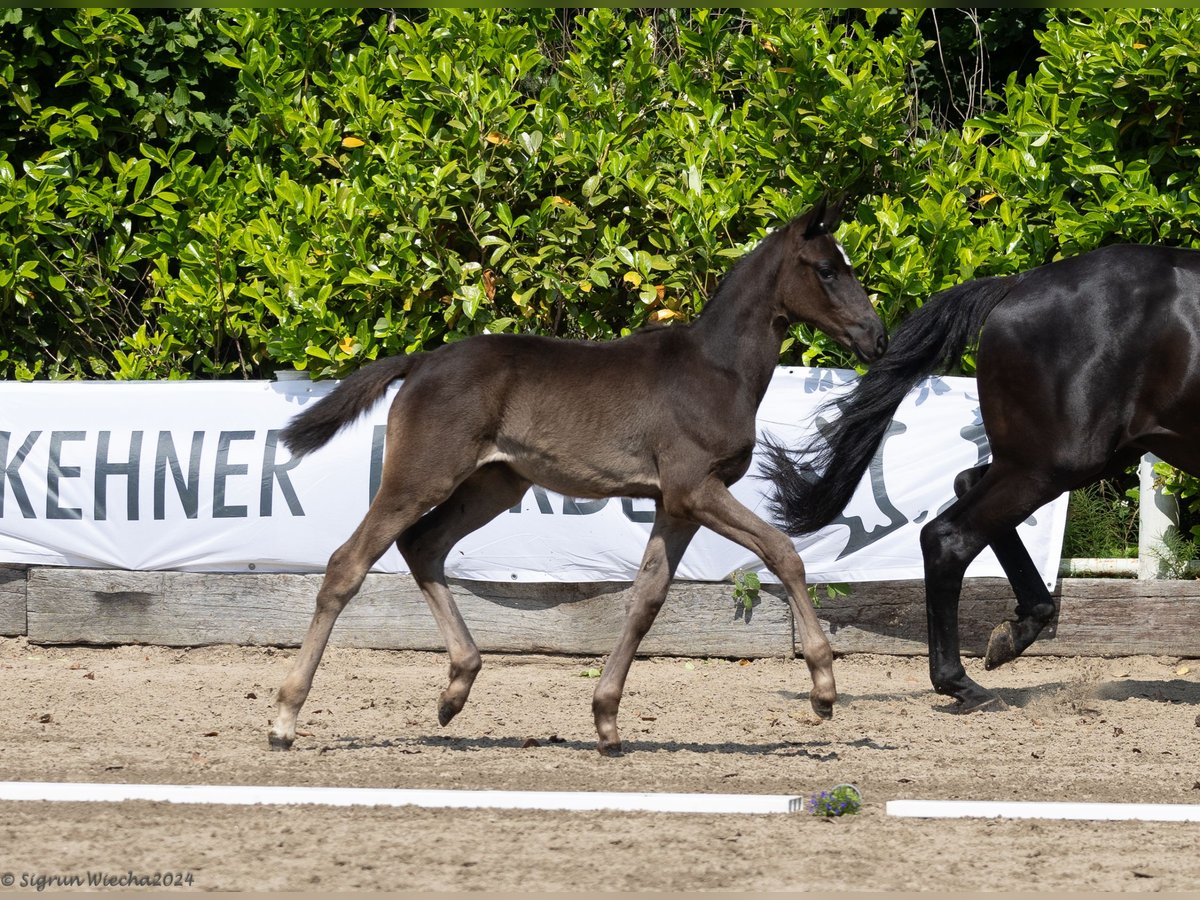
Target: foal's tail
(316,426)
(813,485)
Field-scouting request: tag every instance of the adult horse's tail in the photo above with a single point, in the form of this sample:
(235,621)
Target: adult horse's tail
(813,485)
(316,426)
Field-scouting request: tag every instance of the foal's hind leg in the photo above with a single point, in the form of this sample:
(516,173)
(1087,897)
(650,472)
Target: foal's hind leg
(425,545)
(344,575)
(712,505)
(668,541)
(402,498)
(1036,606)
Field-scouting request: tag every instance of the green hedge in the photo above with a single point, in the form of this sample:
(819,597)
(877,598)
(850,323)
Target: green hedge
(226,192)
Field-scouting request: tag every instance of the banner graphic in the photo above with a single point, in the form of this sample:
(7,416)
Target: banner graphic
(192,476)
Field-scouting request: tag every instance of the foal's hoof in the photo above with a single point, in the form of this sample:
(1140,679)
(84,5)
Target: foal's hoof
(280,743)
(1002,646)
(823,708)
(609,748)
(446,712)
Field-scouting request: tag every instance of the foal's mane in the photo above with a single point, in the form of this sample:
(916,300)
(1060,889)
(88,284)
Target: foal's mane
(738,270)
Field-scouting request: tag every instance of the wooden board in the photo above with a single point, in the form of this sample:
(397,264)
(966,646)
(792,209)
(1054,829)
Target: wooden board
(1110,617)
(1100,617)
(188,609)
(12,600)
(1097,617)
(889,616)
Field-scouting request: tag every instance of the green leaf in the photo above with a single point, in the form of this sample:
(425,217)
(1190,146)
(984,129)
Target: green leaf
(471,296)
(272,306)
(530,142)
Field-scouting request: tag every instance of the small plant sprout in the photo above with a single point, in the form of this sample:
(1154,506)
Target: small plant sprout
(842,800)
(746,586)
(833,590)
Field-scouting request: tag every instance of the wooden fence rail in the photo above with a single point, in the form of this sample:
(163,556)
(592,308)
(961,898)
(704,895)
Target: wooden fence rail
(1099,617)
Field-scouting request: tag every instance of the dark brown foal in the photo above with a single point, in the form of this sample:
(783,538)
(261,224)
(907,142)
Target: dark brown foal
(666,413)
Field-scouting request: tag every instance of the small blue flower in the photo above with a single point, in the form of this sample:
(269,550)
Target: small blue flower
(842,800)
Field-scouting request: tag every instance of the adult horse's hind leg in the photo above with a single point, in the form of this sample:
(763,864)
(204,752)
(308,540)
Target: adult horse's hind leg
(425,545)
(668,541)
(713,506)
(986,513)
(1036,606)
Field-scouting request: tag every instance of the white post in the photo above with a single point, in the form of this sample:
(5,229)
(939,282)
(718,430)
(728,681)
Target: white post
(1159,513)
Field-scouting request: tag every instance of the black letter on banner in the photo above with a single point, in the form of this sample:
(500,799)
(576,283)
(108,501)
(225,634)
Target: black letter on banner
(56,470)
(635,515)
(573,506)
(377,436)
(273,471)
(543,501)
(224,469)
(129,469)
(974,434)
(189,491)
(11,472)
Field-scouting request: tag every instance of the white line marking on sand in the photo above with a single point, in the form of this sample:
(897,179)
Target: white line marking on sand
(249,795)
(1004,809)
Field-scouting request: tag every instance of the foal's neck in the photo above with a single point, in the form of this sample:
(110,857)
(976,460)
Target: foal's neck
(740,327)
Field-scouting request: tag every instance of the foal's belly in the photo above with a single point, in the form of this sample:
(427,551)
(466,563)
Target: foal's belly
(580,471)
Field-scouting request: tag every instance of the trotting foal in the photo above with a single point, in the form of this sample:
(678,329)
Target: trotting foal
(666,413)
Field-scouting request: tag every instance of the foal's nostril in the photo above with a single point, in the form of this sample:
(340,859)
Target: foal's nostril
(866,349)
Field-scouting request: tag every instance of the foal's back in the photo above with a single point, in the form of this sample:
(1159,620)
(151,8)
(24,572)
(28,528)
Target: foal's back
(587,419)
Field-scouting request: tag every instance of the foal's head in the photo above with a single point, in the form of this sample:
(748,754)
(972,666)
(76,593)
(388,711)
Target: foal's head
(817,285)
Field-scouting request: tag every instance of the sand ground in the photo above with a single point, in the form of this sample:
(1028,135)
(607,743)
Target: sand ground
(1076,729)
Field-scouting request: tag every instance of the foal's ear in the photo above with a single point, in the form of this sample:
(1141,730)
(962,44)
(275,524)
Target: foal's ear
(833,217)
(825,217)
(814,219)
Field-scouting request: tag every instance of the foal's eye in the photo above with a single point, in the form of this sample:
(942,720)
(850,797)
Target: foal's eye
(827,273)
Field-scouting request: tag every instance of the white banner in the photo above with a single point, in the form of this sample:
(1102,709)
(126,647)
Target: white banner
(191,476)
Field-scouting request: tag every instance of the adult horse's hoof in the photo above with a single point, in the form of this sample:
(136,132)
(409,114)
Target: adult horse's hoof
(611,748)
(1002,646)
(980,704)
(280,743)
(1010,639)
(969,696)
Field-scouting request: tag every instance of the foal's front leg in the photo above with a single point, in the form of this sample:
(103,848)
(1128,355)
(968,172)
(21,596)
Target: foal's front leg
(713,506)
(668,541)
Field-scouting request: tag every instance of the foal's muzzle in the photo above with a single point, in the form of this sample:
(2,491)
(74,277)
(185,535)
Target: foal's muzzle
(870,345)
(880,348)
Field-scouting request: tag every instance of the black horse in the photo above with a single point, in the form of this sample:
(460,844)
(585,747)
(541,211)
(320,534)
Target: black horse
(1083,365)
(666,413)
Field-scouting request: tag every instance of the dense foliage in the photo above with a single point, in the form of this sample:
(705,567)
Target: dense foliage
(225,192)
